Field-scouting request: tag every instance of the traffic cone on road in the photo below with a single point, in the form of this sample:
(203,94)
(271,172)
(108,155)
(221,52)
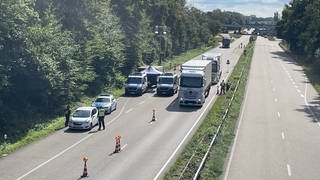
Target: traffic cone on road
(85,171)
(153,115)
(118,145)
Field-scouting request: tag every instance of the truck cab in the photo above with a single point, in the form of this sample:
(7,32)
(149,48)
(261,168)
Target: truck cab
(167,84)
(195,82)
(137,83)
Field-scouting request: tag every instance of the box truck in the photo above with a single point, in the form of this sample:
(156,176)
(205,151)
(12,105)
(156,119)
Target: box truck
(195,82)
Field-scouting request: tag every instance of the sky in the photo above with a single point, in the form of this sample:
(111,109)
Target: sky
(260,8)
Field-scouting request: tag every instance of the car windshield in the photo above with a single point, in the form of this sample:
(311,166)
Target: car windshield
(165,80)
(81,113)
(103,100)
(193,82)
(134,80)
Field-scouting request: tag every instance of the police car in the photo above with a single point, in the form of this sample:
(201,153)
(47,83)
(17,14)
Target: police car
(106,101)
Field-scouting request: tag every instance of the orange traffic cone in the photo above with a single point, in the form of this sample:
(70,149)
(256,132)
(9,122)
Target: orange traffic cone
(85,171)
(118,146)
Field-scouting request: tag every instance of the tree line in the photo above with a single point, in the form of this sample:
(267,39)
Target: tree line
(52,52)
(299,27)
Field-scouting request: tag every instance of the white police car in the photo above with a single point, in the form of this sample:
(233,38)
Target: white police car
(107,101)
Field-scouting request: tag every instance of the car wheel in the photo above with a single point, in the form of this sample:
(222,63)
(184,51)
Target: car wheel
(109,111)
(91,126)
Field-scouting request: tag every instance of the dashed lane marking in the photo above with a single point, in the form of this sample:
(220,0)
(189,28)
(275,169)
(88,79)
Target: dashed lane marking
(279,114)
(141,102)
(129,111)
(282,135)
(289,170)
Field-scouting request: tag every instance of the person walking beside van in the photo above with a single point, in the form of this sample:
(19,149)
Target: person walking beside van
(101,114)
(67,113)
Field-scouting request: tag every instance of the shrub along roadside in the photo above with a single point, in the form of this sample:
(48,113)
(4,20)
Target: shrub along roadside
(199,143)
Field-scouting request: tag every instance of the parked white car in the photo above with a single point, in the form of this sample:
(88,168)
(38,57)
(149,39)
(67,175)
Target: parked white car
(84,118)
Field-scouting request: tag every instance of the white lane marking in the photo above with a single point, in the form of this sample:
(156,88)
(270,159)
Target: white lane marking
(298,90)
(54,157)
(282,135)
(236,138)
(307,104)
(70,147)
(302,95)
(141,102)
(289,170)
(119,113)
(274,89)
(296,86)
(184,138)
(124,146)
(279,114)
(129,110)
(275,100)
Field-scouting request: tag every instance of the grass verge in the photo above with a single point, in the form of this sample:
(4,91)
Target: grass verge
(189,160)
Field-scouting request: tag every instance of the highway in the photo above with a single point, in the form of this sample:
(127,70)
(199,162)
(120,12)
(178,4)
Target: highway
(148,149)
(278,134)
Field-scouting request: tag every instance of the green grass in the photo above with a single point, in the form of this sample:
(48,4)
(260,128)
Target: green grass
(214,165)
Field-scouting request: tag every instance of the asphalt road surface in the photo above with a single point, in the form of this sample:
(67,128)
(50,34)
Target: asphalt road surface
(148,149)
(278,133)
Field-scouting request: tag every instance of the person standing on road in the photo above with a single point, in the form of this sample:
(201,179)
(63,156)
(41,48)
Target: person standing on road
(222,84)
(101,114)
(227,86)
(67,113)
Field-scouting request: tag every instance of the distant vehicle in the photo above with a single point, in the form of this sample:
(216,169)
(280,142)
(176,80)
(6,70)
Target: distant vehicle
(137,83)
(84,118)
(167,84)
(226,40)
(195,82)
(215,58)
(106,101)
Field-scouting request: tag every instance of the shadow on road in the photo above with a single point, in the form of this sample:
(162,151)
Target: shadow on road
(313,110)
(76,131)
(175,107)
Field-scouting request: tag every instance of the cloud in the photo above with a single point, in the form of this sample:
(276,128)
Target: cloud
(260,8)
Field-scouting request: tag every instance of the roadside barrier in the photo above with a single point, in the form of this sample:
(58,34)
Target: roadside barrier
(118,146)
(85,170)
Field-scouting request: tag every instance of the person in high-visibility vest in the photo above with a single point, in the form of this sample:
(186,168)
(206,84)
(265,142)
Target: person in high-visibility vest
(101,114)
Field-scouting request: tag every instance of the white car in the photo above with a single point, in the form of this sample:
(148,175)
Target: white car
(107,101)
(84,118)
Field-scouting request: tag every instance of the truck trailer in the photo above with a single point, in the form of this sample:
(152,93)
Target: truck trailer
(195,82)
(226,40)
(215,58)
